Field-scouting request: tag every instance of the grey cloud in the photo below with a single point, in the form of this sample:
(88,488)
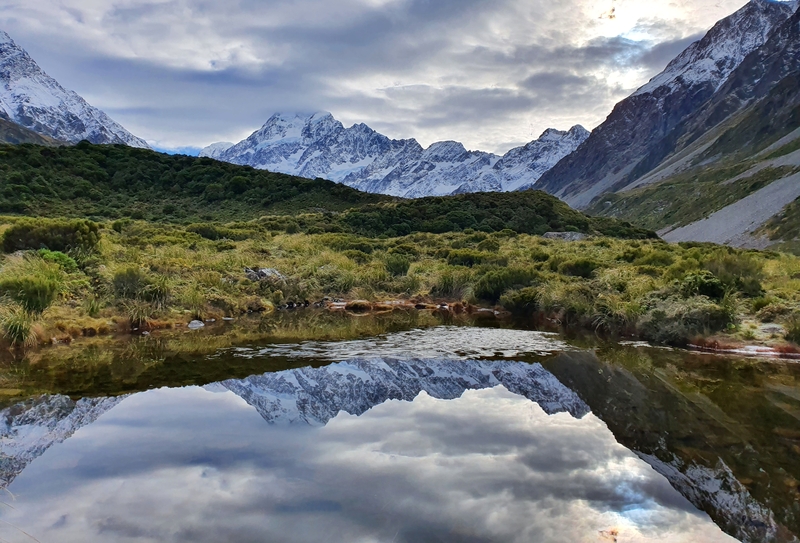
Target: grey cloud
(184,73)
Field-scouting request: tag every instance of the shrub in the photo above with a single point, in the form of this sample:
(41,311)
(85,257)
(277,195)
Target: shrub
(792,324)
(157,291)
(537,255)
(521,303)
(676,321)
(702,283)
(130,282)
(738,271)
(581,267)
(489,245)
(655,258)
(404,249)
(138,312)
(357,256)
(18,326)
(397,264)
(772,312)
(615,314)
(67,263)
(54,234)
(33,283)
(453,284)
(466,257)
(494,283)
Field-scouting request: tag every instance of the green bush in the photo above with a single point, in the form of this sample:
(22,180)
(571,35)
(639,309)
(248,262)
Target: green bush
(702,283)
(772,312)
(489,245)
(357,256)
(521,303)
(453,284)
(581,267)
(33,283)
(675,321)
(130,283)
(494,283)
(467,257)
(54,234)
(738,271)
(537,255)
(397,264)
(655,258)
(66,262)
(34,293)
(792,324)
(17,325)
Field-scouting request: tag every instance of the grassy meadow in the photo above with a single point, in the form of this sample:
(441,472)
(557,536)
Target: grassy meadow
(96,279)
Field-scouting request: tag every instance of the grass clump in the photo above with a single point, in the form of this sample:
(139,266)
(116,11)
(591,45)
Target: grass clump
(18,326)
(32,282)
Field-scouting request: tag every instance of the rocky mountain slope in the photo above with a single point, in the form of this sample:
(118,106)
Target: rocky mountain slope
(729,172)
(34,100)
(637,127)
(11,132)
(320,146)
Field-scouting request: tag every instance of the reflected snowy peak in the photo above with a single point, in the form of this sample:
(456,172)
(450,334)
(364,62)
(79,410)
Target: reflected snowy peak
(316,395)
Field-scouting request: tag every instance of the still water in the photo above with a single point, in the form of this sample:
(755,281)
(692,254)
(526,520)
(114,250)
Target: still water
(437,434)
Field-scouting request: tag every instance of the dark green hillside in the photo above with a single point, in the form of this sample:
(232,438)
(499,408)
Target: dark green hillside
(527,212)
(113,181)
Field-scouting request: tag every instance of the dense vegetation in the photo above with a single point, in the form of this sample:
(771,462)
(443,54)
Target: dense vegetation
(138,274)
(118,182)
(114,181)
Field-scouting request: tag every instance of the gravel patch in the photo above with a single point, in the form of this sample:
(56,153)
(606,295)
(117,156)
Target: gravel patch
(734,224)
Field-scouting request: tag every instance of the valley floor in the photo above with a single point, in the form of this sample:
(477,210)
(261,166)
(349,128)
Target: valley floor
(138,276)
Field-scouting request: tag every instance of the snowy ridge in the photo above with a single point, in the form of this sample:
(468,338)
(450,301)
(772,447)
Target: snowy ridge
(722,50)
(33,99)
(28,429)
(314,396)
(317,145)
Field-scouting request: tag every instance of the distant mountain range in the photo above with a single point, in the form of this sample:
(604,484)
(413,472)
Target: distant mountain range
(35,101)
(317,145)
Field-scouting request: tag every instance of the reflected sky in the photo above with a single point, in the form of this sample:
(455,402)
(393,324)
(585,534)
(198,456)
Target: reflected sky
(202,465)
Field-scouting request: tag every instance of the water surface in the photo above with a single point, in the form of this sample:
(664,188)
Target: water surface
(437,434)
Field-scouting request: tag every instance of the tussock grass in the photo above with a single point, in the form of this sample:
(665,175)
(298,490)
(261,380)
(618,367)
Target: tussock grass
(141,273)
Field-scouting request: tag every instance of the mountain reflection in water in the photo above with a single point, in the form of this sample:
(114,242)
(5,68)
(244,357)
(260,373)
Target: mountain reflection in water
(488,465)
(620,444)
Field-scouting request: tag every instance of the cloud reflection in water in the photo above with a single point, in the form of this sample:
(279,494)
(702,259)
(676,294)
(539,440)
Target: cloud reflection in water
(195,465)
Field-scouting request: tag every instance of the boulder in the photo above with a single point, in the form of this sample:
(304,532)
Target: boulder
(270,275)
(566,236)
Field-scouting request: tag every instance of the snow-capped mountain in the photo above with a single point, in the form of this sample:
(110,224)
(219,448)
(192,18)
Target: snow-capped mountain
(522,167)
(621,147)
(318,145)
(316,395)
(29,428)
(34,100)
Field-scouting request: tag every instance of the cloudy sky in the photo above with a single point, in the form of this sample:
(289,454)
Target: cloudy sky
(490,73)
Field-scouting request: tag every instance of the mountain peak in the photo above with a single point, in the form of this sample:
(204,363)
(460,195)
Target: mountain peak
(714,57)
(317,145)
(34,100)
